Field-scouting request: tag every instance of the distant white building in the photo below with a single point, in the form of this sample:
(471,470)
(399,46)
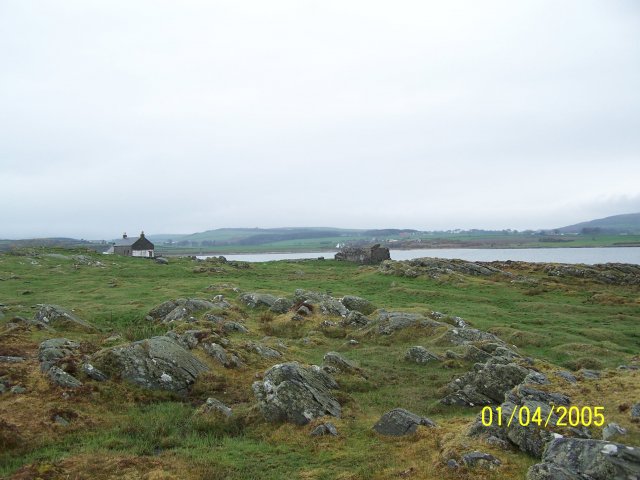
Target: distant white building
(133,247)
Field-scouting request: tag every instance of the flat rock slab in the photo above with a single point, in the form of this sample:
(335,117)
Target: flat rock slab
(157,363)
(399,422)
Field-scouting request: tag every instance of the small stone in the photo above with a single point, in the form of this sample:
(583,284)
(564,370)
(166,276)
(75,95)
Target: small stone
(452,464)
(61,420)
(480,459)
(62,378)
(92,372)
(398,422)
(17,389)
(324,429)
(567,376)
(635,411)
(234,327)
(216,406)
(9,359)
(419,355)
(590,374)
(611,430)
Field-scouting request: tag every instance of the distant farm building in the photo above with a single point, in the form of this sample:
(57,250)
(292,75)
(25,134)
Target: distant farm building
(133,247)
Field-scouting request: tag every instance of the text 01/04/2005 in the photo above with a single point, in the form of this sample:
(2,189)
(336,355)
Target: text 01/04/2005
(559,416)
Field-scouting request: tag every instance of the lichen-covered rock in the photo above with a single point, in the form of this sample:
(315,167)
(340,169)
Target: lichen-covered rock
(462,336)
(155,363)
(62,378)
(53,351)
(189,339)
(292,393)
(215,406)
(399,422)
(263,350)
(354,319)
(419,354)
(332,307)
(611,430)
(93,373)
(358,304)
(226,359)
(255,300)
(281,305)
(480,459)
(182,308)
(230,327)
(58,317)
(337,361)
(436,267)
(324,429)
(388,323)
(566,376)
(579,459)
(486,385)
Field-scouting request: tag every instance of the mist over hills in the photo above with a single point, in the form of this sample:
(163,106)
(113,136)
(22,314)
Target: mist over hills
(626,223)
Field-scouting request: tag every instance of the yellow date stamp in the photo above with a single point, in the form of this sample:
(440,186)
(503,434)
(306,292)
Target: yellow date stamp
(557,416)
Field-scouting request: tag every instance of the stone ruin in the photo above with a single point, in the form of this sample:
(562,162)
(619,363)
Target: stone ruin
(364,255)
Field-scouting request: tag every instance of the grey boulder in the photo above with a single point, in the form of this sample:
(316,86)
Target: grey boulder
(292,393)
(62,378)
(577,458)
(419,355)
(157,363)
(255,300)
(358,304)
(399,422)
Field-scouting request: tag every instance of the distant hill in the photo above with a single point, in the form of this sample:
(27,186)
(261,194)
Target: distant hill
(627,223)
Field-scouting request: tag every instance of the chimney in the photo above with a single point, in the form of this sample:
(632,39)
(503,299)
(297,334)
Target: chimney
(124,235)
(142,234)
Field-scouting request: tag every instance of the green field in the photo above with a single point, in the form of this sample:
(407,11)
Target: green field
(122,431)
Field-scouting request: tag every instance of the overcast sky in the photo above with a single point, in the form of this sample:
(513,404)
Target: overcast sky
(182,116)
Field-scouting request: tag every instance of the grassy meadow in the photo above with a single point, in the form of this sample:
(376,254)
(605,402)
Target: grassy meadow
(118,430)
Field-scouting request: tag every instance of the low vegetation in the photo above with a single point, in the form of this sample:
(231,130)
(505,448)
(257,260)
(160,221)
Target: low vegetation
(116,429)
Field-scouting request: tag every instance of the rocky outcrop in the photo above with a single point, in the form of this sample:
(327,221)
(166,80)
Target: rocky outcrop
(581,459)
(157,363)
(399,422)
(487,384)
(608,273)
(292,393)
(326,304)
(528,438)
(436,267)
(364,255)
(183,308)
(54,351)
(58,317)
(388,323)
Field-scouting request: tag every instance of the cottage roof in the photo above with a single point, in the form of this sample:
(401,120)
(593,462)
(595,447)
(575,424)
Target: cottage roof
(125,242)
